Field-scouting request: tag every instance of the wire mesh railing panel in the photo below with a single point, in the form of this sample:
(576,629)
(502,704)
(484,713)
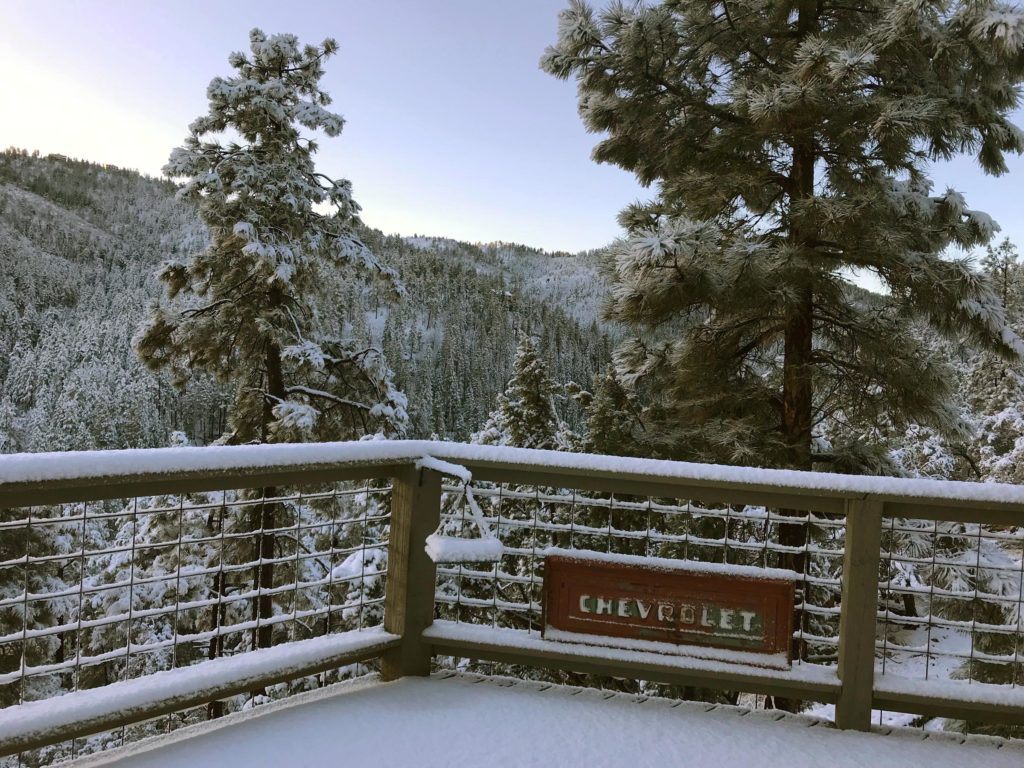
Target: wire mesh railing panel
(950,604)
(531,520)
(98,592)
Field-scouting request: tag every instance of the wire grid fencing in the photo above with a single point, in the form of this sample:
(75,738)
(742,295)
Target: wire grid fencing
(950,607)
(950,594)
(530,520)
(92,593)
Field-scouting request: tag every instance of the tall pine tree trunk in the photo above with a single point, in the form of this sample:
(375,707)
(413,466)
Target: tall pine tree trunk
(266,520)
(797,368)
(267,512)
(797,371)
(215,709)
(797,397)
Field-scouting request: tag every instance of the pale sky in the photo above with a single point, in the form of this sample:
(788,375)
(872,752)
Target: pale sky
(452,128)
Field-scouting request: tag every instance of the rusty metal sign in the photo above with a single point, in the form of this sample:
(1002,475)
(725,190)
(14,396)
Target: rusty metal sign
(681,603)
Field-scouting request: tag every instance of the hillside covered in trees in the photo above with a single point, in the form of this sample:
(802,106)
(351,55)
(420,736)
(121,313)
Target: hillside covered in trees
(80,244)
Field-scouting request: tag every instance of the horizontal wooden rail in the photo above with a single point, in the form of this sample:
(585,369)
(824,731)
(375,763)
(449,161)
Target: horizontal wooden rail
(976,702)
(513,646)
(41,723)
(28,479)
(981,508)
(26,494)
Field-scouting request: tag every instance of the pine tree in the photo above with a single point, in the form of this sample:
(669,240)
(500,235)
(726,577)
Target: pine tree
(248,308)
(526,415)
(994,387)
(247,305)
(1002,263)
(612,422)
(8,439)
(788,141)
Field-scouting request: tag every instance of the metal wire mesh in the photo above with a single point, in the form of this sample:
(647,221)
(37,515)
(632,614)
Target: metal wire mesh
(950,604)
(97,592)
(530,520)
(950,594)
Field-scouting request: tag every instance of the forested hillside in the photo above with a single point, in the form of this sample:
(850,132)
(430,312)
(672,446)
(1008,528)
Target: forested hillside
(80,244)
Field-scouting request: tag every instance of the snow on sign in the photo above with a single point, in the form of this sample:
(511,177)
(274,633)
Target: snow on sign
(661,602)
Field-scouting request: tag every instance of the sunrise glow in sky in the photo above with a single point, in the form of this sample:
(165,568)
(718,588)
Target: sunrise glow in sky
(452,128)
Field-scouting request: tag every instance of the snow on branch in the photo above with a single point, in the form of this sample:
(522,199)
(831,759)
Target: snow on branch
(295,416)
(312,392)
(1004,28)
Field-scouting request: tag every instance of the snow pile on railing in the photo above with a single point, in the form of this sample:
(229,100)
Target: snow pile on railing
(457,549)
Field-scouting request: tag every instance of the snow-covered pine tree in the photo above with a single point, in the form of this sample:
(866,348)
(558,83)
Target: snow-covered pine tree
(612,415)
(1002,262)
(991,569)
(247,305)
(8,438)
(997,400)
(789,143)
(994,388)
(526,416)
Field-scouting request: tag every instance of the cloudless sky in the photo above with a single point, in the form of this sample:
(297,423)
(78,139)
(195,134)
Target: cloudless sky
(452,128)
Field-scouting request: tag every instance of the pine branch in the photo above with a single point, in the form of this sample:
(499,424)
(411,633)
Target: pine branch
(198,311)
(303,390)
(755,53)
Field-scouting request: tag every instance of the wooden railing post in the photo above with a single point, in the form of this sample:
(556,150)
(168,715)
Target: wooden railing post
(859,613)
(409,601)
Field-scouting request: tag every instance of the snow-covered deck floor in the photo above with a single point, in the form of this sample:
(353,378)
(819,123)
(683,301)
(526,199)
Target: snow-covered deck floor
(462,720)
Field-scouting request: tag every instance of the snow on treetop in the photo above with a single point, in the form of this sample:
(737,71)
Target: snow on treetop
(1004,27)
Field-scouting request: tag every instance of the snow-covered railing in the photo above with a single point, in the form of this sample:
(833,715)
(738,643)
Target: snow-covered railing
(127,575)
(116,565)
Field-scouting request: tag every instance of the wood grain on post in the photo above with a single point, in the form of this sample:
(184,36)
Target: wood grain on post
(859,613)
(409,601)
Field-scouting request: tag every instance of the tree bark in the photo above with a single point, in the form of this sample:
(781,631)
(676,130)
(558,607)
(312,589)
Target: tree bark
(215,709)
(797,367)
(266,516)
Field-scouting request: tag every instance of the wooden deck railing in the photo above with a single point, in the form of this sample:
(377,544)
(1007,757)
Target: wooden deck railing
(548,497)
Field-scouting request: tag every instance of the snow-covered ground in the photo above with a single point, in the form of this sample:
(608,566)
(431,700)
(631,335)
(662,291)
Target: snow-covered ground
(463,720)
(901,664)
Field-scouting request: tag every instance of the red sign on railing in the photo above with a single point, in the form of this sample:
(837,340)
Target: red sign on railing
(666,601)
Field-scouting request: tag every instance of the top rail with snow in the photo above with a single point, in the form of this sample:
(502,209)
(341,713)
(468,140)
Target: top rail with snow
(138,583)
